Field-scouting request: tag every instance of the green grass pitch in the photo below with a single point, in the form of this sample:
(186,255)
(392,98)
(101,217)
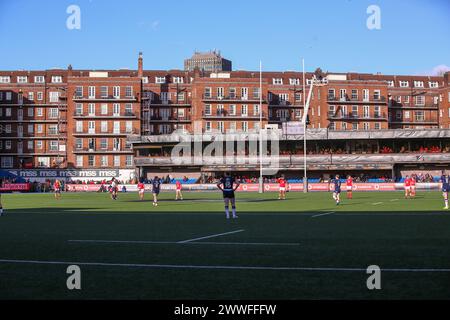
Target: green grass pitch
(304,247)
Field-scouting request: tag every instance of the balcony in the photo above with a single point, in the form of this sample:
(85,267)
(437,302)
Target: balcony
(108,133)
(396,105)
(100,150)
(128,115)
(231,98)
(165,103)
(281,104)
(104,98)
(170,119)
(373,99)
(227,116)
(354,116)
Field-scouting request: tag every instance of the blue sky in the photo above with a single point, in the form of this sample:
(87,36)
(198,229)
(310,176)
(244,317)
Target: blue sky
(413,39)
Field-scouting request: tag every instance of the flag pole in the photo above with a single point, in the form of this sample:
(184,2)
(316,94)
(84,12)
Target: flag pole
(261,187)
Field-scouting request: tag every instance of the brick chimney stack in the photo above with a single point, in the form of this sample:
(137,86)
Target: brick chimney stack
(140,66)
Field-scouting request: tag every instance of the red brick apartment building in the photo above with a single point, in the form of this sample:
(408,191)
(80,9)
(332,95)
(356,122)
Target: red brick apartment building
(82,119)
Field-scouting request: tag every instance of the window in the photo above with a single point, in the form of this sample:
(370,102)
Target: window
(39,79)
(5,79)
(30,128)
(366,95)
(283,97)
(30,145)
(22,79)
(390,83)
(39,145)
(7,112)
(31,96)
(91,127)
(116,144)
(294,82)
(433,84)
(232,110)
(160,80)
(177,80)
(78,144)
(9,96)
(377,112)
(376,95)
(354,111)
(116,109)
(354,94)
(39,128)
(53,129)
(104,109)
(407,114)
(208,126)
(207,109)
(129,161)
(343,94)
(404,84)
(377,126)
(103,143)
(116,161)
(256,109)
(331,94)
(366,126)
(91,161)
(104,92)
(91,109)
(54,96)
(221,126)
(297,96)
(128,109)
(104,161)
(91,92)
(144,79)
(277,81)
(207,93)
(219,109)
(256,93)
(79,161)
(79,92)
(180,96)
(220,92)
(244,93)
(418,84)
(332,111)
(53,145)
(104,126)
(420,100)
(53,113)
(91,144)
(116,92)
(244,126)
(129,127)
(1,96)
(244,110)
(332,126)
(7,162)
(78,109)
(128,91)
(366,113)
(419,116)
(7,128)
(116,128)
(30,112)
(56,79)
(40,96)
(355,126)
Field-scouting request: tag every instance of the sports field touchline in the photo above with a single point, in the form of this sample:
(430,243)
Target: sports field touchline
(186,243)
(181,266)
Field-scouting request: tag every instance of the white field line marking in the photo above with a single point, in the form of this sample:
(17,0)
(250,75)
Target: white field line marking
(178,266)
(376,203)
(393,200)
(322,214)
(369,214)
(212,236)
(189,243)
